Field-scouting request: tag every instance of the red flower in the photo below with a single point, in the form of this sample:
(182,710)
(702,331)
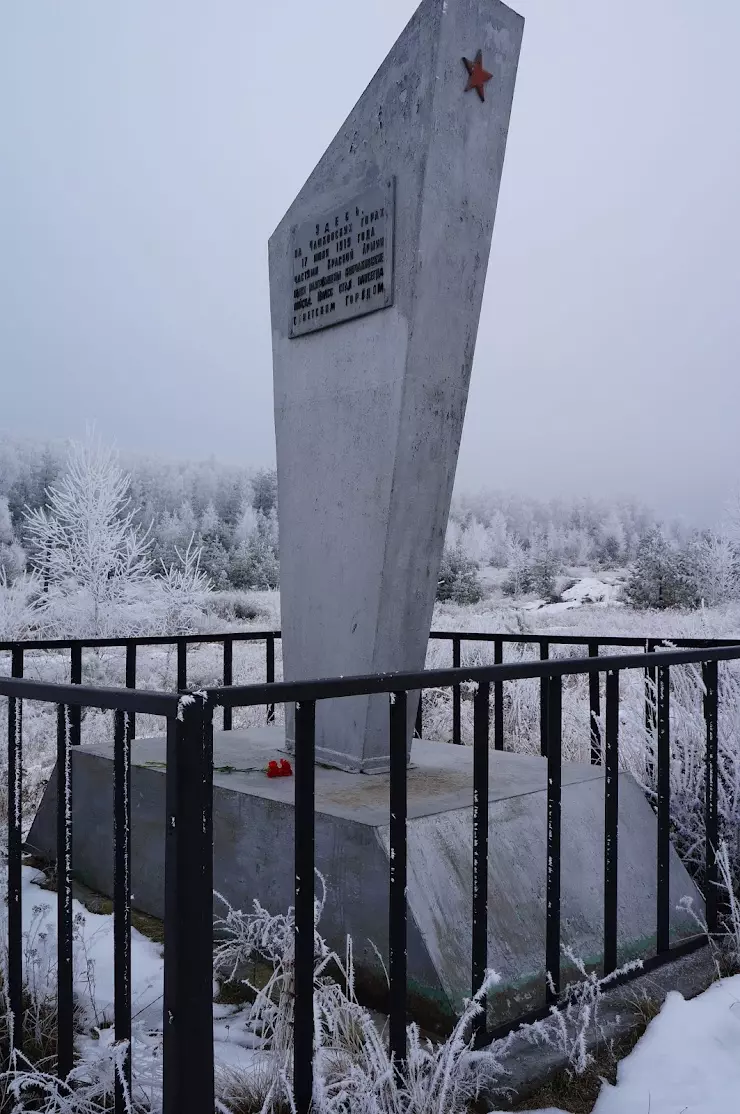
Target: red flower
(283,769)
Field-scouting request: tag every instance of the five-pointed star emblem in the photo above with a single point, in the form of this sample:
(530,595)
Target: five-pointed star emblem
(477,76)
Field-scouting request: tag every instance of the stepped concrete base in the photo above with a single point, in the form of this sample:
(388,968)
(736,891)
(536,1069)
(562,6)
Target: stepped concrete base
(253,858)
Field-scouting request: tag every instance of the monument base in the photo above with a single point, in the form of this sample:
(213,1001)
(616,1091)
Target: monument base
(253,858)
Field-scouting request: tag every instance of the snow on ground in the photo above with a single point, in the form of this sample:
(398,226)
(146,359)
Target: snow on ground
(596,590)
(687,1062)
(234,1043)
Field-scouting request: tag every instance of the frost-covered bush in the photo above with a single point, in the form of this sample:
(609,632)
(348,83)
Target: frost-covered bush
(20,606)
(353,1068)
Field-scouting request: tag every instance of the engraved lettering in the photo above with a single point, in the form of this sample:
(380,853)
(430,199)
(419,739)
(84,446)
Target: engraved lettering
(331,285)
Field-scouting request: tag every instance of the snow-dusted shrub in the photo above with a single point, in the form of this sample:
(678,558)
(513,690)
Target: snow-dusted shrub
(182,593)
(20,606)
(573,1028)
(353,1068)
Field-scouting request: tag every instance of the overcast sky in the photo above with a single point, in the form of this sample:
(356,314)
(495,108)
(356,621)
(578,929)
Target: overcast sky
(149,148)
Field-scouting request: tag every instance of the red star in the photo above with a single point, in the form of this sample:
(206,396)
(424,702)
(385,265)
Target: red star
(477,75)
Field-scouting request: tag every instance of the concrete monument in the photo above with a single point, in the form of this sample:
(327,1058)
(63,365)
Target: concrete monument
(376,280)
(377,276)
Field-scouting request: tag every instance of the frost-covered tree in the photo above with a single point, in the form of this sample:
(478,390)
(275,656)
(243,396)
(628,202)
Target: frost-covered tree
(660,577)
(458,578)
(88,552)
(712,565)
(255,563)
(12,555)
(498,539)
(264,491)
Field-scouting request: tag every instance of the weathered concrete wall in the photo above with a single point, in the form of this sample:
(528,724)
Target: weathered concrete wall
(369,414)
(253,858)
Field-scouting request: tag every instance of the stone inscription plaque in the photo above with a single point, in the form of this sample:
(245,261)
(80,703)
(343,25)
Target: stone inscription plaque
(343,262)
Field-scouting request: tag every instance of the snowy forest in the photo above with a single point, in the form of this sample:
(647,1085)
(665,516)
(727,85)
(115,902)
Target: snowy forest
(97,544)
(206,527)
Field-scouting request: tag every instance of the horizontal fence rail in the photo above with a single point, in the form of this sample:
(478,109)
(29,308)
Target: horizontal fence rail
(541,643)
(189,721)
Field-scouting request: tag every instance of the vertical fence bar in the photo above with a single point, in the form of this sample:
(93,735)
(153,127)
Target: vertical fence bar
(305,791)
(419,724)
(131,679)
(228,678)
(122,901)
(75,710)
(711,821)
(650,713)
(397,889)
(498,698)
(544,690)
(456,727)
(15,912)
(594,700)
(554,781)
(182,665)
(65,1000)
(611,821)
(188,941)
(270,672)
(664,810)
(481,714)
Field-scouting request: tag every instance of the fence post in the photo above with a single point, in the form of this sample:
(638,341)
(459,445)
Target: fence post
(270,672)
(397,880)
(611,821)
(305,820)
(456,729)
(75,710)
(15,840)
(664,810)
(480,846)
(131,680)
(228,678)
(650,714)
(122,900)
(182,665)
(594,697)
(65,985)
(711,821)
(188,935)
(554,781)
(544,690)
(498,698)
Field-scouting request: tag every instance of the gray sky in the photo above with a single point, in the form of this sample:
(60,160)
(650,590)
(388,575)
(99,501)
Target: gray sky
(148,149)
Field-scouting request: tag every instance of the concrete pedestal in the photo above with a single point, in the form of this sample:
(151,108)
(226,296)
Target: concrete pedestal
(253,822)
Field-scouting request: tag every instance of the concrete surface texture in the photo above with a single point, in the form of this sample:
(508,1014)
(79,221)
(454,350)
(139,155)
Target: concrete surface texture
(253,858)
(369,413)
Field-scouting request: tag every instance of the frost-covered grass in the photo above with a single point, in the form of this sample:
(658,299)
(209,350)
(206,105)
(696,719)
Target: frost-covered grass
(354,1063)
(686,1061)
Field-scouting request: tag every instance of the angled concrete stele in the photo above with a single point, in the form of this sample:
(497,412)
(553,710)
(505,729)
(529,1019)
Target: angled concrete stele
(376,280)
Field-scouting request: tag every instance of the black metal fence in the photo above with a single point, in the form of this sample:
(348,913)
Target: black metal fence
(542,643)
(188,947)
